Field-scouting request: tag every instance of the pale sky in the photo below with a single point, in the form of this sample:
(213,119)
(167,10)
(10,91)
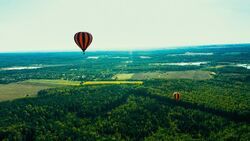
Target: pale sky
(49,25)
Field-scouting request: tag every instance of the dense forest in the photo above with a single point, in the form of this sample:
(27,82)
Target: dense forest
(127,113)
(210,109)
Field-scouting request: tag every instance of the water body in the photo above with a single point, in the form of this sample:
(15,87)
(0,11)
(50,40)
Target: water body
(119,57)
(20,68)
(247,66)
(192,54)
(145,57)
(93,57)
(180,64)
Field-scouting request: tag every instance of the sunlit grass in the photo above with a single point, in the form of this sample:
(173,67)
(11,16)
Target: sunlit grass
(112,82)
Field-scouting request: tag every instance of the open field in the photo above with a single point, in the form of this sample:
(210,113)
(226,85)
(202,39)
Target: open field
(29,88)
(123,76)
(195,75)
(49,82)
(19,90)
(112,82)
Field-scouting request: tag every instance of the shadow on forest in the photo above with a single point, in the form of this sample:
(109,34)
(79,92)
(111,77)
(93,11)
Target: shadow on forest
(233,116)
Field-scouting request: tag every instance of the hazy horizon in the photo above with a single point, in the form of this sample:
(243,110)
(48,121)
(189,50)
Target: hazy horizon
(124,50)
(45,26)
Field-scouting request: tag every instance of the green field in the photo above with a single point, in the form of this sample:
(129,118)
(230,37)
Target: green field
(19,90)
(29,88)
(48,82)
(194,75)
(112,82)
(123,76)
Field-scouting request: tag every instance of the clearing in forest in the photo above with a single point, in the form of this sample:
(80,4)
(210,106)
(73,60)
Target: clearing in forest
(112,82)
(123,76)
(51,82)
(29,88)
(193,74)
(19,90)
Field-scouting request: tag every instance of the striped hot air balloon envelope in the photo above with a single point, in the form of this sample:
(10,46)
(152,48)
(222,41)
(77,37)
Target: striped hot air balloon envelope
(83,40)
(177,96)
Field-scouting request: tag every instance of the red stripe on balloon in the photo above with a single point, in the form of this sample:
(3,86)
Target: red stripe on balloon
(80,40)
(86,40)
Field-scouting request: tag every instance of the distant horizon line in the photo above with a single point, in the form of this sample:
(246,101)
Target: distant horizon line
(149,49)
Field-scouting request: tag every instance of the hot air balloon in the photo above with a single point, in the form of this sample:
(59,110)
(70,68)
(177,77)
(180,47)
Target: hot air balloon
(83,40)
(177,96)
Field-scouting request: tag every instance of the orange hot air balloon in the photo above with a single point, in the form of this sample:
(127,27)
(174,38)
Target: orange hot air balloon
(177,96)
(83,40)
